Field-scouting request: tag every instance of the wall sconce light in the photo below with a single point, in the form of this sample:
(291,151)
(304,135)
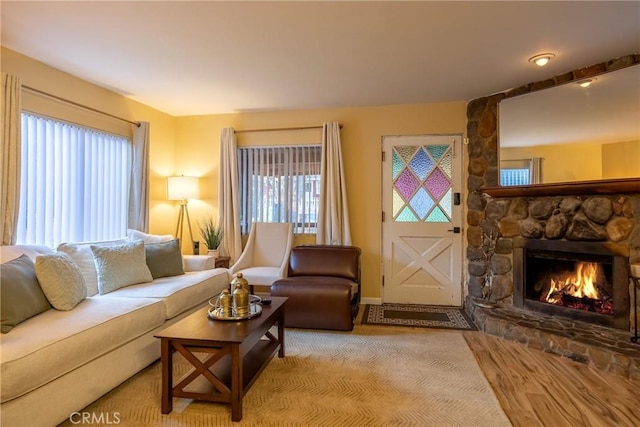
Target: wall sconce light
(542,59)
(183,188)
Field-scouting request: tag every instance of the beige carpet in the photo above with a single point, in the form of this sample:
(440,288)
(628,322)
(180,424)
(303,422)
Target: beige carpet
(373,376)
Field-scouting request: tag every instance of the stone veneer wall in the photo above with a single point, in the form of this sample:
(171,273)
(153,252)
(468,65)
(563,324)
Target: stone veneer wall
(581,217)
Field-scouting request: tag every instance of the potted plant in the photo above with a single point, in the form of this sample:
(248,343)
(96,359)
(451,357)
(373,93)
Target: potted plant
(212,236)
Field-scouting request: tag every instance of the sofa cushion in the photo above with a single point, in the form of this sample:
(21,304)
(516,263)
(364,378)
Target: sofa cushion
(148,238)
(7,253)
(318,281)
(180,293)
(164,259)
(60,280)
(120,265)
(22,296)
(54,343)
(83,257)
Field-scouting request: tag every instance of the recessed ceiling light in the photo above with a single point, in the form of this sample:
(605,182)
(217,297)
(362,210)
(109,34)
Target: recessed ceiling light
(542,59)
(585,82)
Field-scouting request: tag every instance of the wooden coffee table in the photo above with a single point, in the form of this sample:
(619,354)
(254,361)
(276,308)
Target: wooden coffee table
(238,353)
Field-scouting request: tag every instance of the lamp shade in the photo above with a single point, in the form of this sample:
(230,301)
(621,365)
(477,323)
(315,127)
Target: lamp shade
(183,187)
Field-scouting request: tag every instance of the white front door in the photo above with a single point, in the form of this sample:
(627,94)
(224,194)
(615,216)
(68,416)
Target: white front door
(421,227)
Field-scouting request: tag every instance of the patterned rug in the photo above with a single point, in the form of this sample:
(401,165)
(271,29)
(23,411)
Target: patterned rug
(374,376)
(423,316)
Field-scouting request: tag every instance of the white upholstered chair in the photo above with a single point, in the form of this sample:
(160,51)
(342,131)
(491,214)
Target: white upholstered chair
(265,257)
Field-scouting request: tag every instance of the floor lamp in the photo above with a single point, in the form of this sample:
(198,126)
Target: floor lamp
(183,188)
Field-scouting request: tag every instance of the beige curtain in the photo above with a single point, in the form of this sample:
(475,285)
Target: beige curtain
(229,196)
(333,215)
(139,187)
(11,106)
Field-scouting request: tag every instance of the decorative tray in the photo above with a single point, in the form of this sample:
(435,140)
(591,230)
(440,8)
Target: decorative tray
(215,313)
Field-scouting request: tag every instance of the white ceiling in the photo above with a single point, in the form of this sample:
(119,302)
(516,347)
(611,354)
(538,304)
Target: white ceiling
(207,57)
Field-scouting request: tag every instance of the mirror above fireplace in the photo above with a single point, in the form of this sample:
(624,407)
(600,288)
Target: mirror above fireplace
(580,164)
(580,133)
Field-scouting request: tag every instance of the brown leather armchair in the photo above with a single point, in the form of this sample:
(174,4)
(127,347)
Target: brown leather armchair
(323,287)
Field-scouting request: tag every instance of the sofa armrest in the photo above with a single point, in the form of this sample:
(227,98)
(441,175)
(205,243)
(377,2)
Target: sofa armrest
(198,262)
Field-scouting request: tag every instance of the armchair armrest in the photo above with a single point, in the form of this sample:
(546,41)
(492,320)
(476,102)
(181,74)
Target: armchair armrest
(198,262)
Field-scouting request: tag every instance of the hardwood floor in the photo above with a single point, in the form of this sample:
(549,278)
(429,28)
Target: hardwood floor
(540,389)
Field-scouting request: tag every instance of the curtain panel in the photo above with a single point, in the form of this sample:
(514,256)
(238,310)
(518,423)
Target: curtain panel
(333,214)
(10,161)
(229,196)
(138,215)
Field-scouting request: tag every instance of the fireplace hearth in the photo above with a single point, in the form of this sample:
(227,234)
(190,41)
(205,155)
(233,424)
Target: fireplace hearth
(586,281)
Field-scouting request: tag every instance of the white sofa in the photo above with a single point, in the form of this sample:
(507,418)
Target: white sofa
(58,362)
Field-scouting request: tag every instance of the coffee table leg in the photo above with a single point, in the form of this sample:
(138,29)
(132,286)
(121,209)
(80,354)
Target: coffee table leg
(167,376)
(236,384)
(281,333)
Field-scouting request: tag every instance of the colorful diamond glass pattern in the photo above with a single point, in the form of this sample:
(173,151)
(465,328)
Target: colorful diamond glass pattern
(436,151)
(437,183)
(421,164)
(398,203)
(398,164)
(445,164)
(437,215)
(421,203)
(422,183)
(406,184)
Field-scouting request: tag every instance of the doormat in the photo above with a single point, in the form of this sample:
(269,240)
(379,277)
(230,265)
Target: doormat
(423,316)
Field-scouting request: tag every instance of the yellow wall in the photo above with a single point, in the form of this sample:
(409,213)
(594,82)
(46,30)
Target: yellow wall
(621,160)
(562,163)
(190,146)
(197,152)
(162,126)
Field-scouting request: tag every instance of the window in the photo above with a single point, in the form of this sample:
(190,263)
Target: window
(521,172)
(280,184)
(74,183)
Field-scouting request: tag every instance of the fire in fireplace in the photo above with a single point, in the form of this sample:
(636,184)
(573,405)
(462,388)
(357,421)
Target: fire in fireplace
(580,280)
(584,287)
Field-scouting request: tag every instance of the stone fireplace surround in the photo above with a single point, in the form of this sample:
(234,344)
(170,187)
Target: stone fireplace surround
(587,216)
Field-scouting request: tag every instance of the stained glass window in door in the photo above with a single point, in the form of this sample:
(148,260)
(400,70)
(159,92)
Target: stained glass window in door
(422,183)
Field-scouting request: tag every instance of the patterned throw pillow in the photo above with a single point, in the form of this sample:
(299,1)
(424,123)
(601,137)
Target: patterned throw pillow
(60,280)
(120,265)
(81,254)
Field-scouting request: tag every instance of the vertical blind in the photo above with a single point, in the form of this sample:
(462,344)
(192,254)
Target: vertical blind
(74,183)
(280,184)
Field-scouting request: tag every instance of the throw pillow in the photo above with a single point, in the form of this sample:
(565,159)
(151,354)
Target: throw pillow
(22,297)
(121,265)
(83,257)
(148,238)
(60,280)
(164,259)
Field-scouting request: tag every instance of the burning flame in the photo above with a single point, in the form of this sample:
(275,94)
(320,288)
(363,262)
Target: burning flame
(580,285)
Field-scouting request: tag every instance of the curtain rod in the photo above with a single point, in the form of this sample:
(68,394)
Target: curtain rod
(281,129)
(79,105)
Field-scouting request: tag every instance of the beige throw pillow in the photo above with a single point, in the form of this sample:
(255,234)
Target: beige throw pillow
(60,280)
(121,265)
(81,254)
(148,238)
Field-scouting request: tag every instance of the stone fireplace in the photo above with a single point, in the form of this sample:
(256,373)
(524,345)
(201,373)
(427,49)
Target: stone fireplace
(593,223)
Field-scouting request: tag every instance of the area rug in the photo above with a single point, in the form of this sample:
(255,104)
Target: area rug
(423,316)
(372,376)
